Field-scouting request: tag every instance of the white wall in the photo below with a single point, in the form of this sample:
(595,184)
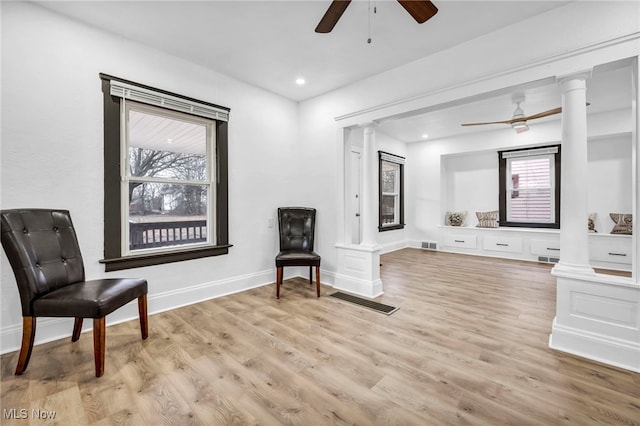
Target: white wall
(470,180)
(610,178)
(470,183)
(460,173)
(52,147)
(395,239)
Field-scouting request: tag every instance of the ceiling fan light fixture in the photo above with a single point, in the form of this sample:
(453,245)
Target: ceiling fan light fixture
(520,126)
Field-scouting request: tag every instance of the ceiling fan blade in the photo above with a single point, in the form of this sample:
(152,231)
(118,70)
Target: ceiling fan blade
(542,114)
(421,11)
(514,120)
(332,15)
(519,119)
(488,122)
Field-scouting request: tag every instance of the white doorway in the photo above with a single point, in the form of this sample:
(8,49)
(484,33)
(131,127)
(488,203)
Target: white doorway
(353,194)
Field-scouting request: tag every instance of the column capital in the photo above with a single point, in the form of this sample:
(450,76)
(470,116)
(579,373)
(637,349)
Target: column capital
(579,76)
(370,125)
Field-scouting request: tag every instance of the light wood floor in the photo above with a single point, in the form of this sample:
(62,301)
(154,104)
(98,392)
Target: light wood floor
(468,346)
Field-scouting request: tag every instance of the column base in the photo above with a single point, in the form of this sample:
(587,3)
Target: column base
(358,269)
(596,318)
(571,269)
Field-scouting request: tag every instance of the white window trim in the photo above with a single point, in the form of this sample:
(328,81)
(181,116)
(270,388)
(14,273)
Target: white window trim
(125,176)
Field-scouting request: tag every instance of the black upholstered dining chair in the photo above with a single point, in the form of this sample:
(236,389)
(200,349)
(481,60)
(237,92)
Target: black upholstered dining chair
(297,229)
(43,251)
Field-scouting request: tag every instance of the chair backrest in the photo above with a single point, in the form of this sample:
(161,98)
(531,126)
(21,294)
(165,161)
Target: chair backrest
(43,251)
(297,228)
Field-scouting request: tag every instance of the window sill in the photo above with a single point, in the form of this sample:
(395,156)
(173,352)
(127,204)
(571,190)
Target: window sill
(390,227)
(141,260)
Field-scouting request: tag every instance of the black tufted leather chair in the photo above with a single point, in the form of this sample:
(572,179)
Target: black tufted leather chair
(43,251)
(297,228)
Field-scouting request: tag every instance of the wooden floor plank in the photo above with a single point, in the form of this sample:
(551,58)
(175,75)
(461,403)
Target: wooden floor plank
(469,345)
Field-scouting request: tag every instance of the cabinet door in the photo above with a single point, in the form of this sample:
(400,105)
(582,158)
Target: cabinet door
(611,249)
(504,244)
(545,248)
(459,240)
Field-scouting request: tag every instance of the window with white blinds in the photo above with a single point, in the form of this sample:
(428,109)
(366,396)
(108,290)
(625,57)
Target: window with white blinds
(529,187)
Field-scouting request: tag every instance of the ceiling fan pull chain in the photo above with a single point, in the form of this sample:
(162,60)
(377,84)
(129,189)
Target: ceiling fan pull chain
(371,13)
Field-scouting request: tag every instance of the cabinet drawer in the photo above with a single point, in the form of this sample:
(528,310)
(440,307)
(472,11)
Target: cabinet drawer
(505,244)
(460,240)
(545,248)
(611,252)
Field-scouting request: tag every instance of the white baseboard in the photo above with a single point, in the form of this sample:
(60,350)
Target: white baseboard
(391,247)
(49,329)
(595,346)
(358,286)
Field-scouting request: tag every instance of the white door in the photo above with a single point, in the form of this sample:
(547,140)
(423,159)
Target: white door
(354,195)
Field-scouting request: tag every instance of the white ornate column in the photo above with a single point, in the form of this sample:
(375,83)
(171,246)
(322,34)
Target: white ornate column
(369,188)
(596,314)
(358,265)
(574,239)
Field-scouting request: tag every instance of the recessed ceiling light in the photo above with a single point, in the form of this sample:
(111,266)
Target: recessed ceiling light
(300,81)
(425,135)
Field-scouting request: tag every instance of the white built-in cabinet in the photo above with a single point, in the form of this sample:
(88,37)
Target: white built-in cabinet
(610,251)
(469,182)
(543,245)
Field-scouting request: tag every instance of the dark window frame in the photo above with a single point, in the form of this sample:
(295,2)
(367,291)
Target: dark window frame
(113,258)
(400,162)
(502,197)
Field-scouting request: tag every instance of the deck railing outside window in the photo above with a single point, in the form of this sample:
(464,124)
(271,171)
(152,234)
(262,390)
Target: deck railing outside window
(165,234)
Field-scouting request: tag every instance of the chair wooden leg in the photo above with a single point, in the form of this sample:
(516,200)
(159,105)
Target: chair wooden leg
(142,311)
(77,328)
(99,344)
(278,281)
(310,275)
(28,334)
(318,280)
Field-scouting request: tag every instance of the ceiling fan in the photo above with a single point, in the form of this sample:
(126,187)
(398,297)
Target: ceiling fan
(421,11)
(519,120)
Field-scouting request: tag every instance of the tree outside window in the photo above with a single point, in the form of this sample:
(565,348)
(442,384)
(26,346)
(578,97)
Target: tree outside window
(165,176)
(168,178)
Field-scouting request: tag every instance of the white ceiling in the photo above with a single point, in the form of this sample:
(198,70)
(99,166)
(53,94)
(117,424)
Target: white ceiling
(608,89)
(271,43)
